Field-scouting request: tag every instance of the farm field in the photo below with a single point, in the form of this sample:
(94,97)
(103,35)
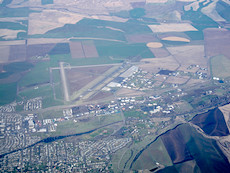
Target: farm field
(220,66)
(114,86)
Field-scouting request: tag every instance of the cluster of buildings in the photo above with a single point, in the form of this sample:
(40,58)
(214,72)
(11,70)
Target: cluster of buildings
(14,132)
(8,108)
(74,156)
(33,104)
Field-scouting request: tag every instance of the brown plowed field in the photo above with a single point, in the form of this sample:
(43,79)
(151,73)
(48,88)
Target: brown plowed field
(217,42)
(84,49)
(17,53)
(140,38)
(39,49)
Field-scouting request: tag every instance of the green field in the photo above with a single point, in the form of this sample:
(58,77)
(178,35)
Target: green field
(134,114)
(38,75)
(71,127)
(8,93)
(13,25)
(44,2)
(220,66)
(156,152)
(223,10)
(121,50)
(200,22)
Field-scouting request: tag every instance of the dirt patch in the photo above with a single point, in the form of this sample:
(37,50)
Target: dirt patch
(124,92)
(217,41)
(177,80)
(101,95)
(154,65)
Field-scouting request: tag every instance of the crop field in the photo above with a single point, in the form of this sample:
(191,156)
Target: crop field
(188,55)
(5,53)
(172,27)
(8,34)
(17,53)
(220,66)
(179,39)
(77,50)
(84,49)
(140,38)
(39,49)
(8,93)
(160,52)
(46,20)
(155,64)
(121,50)
(217,42)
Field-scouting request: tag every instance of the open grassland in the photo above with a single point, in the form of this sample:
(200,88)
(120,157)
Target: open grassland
(156,152)
(220,66)
(38,75)
(71,127)
(8,93)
